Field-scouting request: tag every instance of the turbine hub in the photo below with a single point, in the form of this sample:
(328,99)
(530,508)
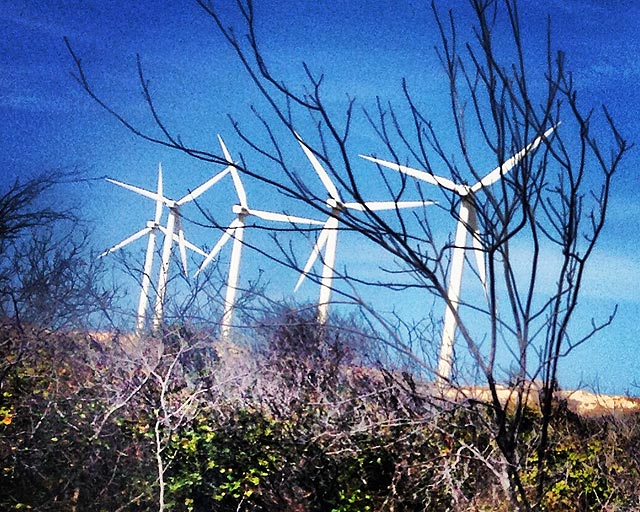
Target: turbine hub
(464,190)
(335,204)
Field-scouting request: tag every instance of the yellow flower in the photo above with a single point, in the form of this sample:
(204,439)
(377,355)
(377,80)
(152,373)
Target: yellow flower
(7,419)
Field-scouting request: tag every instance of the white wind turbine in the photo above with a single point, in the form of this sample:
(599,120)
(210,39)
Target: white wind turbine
(328,238)
(467,224)
(235,230)
(174,223)
(151,229)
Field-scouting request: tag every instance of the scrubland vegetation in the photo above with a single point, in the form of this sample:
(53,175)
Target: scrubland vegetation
(301,422)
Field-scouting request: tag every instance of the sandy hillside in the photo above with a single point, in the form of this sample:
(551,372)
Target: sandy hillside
(583,402)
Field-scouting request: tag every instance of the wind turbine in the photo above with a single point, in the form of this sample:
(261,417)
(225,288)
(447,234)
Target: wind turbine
(152,230)
(467,224)
(174,223)
(328,238)
(235,230)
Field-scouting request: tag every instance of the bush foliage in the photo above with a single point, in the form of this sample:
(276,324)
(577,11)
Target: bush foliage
(102,424)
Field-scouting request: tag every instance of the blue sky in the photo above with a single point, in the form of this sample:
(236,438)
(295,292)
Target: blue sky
(363,48)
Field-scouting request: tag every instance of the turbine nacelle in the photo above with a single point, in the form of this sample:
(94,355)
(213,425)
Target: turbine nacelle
(464,190)
(240,210)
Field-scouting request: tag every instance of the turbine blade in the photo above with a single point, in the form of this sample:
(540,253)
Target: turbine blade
(182,245)
(503,169)
(421,175)
(126,241)
(225,151)
(315,252)
(187,244)
(158,214)
(220,244)
(141,191)
(237,182)
(386,205)
(414,204)
(320,171)
(478,249)
(204,187)
(194,248)
(281,217)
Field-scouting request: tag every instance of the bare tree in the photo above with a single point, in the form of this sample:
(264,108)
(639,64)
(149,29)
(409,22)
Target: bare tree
(22,208)
(543,218)
(49,276)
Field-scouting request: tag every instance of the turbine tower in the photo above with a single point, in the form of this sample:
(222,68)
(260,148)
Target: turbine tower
(328,238)
(467,225)
(235,230)
(174,223)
